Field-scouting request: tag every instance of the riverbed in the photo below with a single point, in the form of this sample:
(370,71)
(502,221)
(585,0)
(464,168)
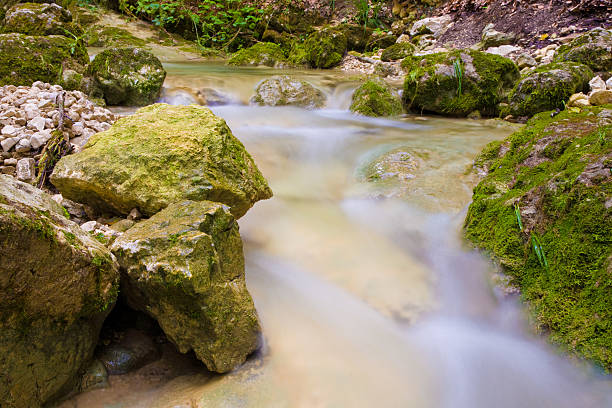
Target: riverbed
(366,292)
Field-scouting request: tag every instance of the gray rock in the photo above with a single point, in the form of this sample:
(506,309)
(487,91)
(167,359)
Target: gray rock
(283,90)
(525,61)
(597,83)
(494,38)
(7,144)
(431,25)
(26,170)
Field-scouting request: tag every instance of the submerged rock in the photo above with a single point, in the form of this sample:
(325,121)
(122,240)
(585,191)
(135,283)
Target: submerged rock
(184,266)
(40,19)
(135,349)
(375,98)
(593,49)
(57,285)
(281,90)
(457,82)
(25,59)
(128,76)
(557,174)
(158,156)
(548,87)
(265,53)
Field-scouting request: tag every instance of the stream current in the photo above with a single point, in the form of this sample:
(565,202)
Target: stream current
(367,295)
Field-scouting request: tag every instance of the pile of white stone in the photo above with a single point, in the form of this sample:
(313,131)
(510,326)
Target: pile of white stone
(28,115)
(601,94)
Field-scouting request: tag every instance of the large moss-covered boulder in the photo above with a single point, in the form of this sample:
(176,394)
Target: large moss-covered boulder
(57,285)
(158,156)
(375,98)
(548,87)
(264,53)
(185,267)
(555,176)
(26,59)
(457,82)
(397,51)
(282,90)
(40,19)
(325,48)
(128,76)
(593,49)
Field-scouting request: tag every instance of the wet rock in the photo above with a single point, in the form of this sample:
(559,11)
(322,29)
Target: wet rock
(375,98)
(26,59)
(593,49)
(557,175)
(57,286)
(128,76)
(160,155)
(39,19)
(95,377)
(191,256)
(263,53)
(432,25)
(397,164)
(548,87)
(457,82)
(134,350)
(282,90)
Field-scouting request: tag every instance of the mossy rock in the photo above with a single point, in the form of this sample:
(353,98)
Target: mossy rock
(557,173)
(185,267)
(357,37)
(40,19)
(593,49)
(325,48)
(458,82)
(282,90)
(101,36)
(380,41)
(548,87)
(264,53)
(397,51)
(158,156)
(375,98)
(128,76)
(297,53)
(25,59)
(57,286)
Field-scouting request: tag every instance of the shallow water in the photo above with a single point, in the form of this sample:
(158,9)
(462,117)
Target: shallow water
(366,294)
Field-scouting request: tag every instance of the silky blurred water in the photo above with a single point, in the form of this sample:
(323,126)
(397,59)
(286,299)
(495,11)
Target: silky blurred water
(367,295)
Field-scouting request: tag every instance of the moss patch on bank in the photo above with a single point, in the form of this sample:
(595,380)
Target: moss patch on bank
(555,173)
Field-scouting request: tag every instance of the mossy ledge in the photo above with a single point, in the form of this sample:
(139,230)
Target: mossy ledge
(557,173)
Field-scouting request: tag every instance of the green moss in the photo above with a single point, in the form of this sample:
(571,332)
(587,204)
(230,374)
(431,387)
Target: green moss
(432,83)
(26,59)
(129,76)
(104,36)
(72,239)
(375,98)
(397,51)
(591,49)
(298,54)
(547,87)
(265,53)
(100,237)
(550,170)
(66,213)
(40,20)
(325,48)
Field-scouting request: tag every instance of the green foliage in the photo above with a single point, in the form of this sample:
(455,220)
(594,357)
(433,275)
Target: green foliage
(216,23)
(458,67)
(368,12)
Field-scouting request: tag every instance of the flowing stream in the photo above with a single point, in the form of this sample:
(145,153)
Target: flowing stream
(367,295)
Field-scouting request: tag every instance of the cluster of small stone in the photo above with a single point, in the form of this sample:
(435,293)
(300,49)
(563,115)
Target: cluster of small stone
(601,94)
(28,116)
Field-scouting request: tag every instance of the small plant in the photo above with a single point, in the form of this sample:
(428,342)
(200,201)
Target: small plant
(75,40)
(539,251)
(458,66)
(517,213)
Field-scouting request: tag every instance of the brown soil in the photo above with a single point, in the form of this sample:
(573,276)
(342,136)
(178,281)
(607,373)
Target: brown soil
(527,18)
